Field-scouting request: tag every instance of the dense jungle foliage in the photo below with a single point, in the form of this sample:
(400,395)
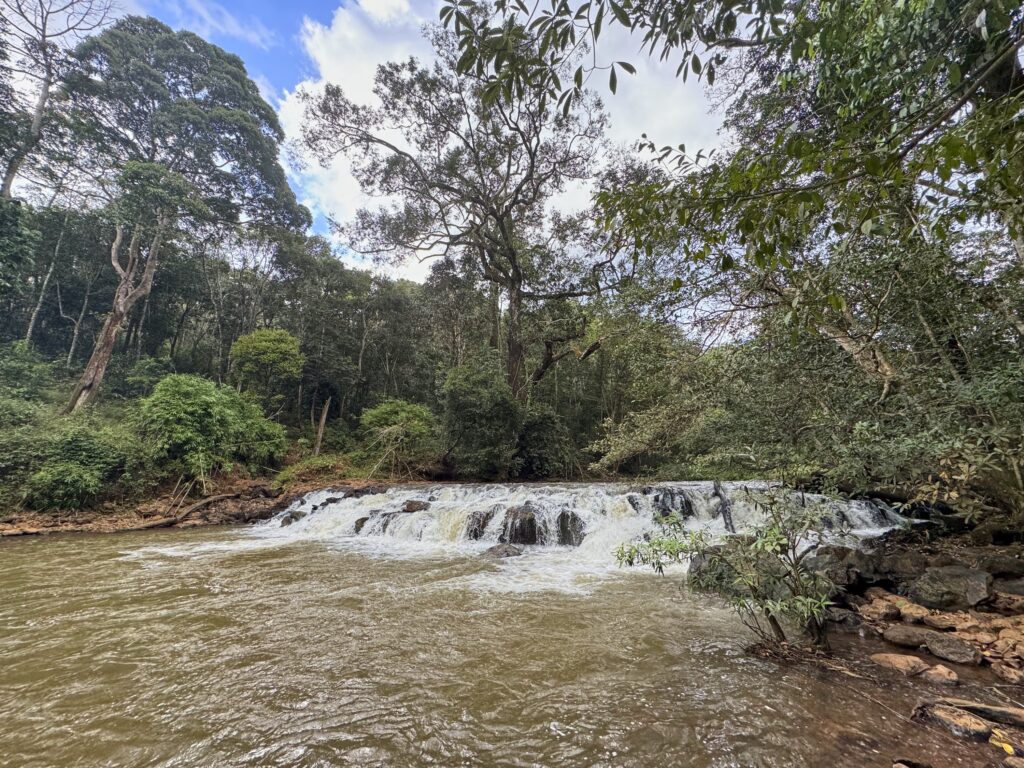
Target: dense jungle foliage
(835,298)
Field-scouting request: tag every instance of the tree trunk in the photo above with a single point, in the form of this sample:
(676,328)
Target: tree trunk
(46,281)
(136,281)
(514,343)
(320,429)
(88,385)
(34,134)
(78,326)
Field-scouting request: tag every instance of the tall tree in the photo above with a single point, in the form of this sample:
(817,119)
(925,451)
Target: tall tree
(43,32)
(471,177)
(174,128)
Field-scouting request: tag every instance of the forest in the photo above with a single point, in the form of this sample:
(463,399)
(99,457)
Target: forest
(834,299)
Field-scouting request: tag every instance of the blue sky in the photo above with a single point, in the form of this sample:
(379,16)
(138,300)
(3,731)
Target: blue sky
(290,46)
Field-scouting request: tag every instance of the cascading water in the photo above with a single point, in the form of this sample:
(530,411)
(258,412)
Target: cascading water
(582,522)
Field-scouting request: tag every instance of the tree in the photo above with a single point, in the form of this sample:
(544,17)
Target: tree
(181,126)
(472,178)
(43,32)
(400,435)
(267,362)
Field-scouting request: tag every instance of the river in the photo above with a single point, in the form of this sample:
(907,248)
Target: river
(312,646)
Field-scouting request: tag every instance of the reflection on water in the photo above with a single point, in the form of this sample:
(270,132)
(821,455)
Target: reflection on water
(237,648)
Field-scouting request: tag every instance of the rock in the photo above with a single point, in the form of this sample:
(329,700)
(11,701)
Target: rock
(996,714)
(906,665)
(952,586)
(946,621)
(501,551)
(908,636)
(366,490)
(1010,674)
(956,721)
(287,520)
(952,648)
(520,526)
(360,523)
(902,762)
(877,593)
(1013,762)
(570,528)
(940,675)
(415,506)
(842,618)
(994,532)
(879,610)
(1004,602)
(1010,586)
(1002,566)
(478,521)
(977,638)
(912,613)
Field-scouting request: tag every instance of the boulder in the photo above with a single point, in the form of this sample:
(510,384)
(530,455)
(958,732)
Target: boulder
(912,613)
(940,675)
(287,520)
(360,523)
(478,522)
(501,551)
(908,636)
(906,665)
(520,526)
(570,528)
(952,586)
(952,648)
(414,505)
(366,490)
(956,721)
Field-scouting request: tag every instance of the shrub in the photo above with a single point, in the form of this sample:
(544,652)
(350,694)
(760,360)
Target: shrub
(761,572)
(198,427)
(138,378)
(481,420)
(23,373)
(267,363)
(324,467)
(63,485)
(399,435)
(545,448)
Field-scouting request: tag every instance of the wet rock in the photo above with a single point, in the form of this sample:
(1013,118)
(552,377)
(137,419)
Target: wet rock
(1013,762)
(951,587)
(520,526)
(360,523)
(478,522)
(414,505)
(903,762)
(997,714)
(1008,673)
(570,528)
(669,501)
(331,500)
(287,520)
(940,675)
(909,636)
(898,662)
(501,551)
(366,490)
(952,648)
(956,721)
(842,618)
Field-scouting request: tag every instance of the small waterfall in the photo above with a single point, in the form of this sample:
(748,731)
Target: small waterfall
(592,518)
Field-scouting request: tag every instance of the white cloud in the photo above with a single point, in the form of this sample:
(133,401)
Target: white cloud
(363,35)
(208,17)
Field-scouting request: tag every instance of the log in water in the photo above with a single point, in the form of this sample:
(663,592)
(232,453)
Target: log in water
(312,645)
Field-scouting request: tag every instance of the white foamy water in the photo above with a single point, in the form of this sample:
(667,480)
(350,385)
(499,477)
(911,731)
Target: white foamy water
(569,532)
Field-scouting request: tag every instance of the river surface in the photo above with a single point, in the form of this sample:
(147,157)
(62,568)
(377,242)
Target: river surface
(249,647)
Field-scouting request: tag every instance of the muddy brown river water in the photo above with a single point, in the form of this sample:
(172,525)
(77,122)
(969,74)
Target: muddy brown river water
(227,648)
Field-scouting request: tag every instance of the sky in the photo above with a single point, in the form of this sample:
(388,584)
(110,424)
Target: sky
(291,45)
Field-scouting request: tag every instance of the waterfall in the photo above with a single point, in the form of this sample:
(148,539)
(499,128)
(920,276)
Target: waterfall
(592,518)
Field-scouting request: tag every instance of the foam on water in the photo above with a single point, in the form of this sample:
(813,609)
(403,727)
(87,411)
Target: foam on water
(463,520)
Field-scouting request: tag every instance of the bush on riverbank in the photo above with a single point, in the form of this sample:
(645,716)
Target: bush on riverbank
(197,427)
